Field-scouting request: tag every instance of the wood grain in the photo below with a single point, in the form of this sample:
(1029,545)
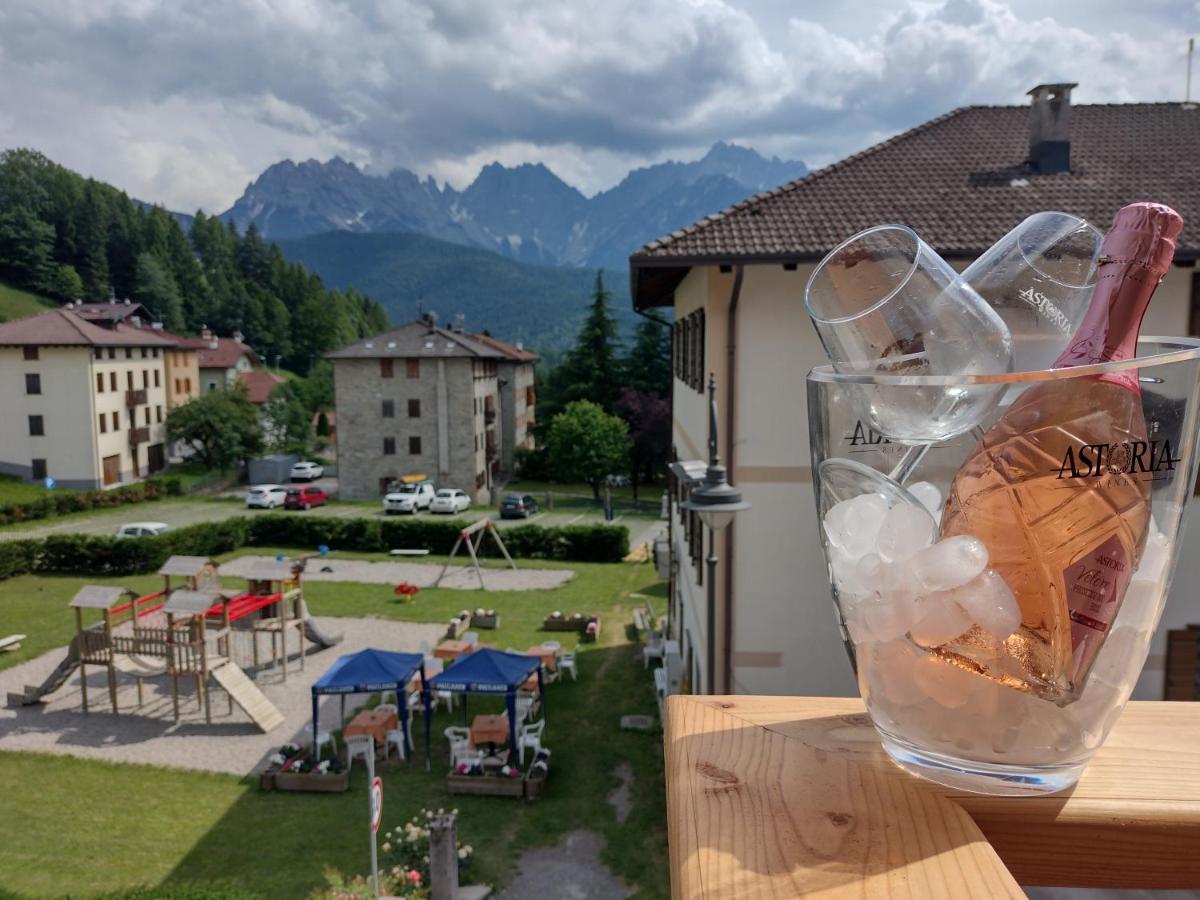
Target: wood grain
(779,797)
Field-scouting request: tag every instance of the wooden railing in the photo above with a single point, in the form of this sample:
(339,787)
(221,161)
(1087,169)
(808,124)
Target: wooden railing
(785,796)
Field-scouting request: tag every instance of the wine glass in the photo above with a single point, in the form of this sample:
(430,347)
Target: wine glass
(883,302)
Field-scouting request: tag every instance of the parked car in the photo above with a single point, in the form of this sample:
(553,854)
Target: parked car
(306,471)
(449,500)
(518,506)
(266,496)
(408,498)
(142,529)
(305,497)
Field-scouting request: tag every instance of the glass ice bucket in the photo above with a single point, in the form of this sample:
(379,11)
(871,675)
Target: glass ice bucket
(907,605)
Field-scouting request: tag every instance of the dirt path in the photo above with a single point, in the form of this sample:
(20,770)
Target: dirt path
(571,870)
(422,575)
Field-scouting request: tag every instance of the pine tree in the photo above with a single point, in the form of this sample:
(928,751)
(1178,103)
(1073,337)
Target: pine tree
(591,369)
(647,367)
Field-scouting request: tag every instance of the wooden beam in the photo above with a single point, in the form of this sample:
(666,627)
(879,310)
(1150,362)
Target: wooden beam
(778,796)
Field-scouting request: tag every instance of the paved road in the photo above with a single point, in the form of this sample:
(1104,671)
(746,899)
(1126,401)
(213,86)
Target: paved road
(178,513)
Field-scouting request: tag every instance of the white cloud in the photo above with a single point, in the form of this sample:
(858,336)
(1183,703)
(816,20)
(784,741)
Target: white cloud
(186,103)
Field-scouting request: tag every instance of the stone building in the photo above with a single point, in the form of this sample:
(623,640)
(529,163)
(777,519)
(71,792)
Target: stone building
(517,398)
(418,400)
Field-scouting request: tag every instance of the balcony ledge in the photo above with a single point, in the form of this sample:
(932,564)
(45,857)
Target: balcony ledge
(784,796)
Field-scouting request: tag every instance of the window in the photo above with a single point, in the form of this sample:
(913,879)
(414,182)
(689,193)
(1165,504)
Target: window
(158,414)
(530,396)
(389,446)
(389,409)
(157,382)
(116,420)
(414,409)
(154,352)
(385,368)
(145,378)
(39,469)
(37,427)
(476,443)
(687,350)
(33,383)
(112,381)
(99,382)
(414,445)
(145,352)
(178,386)
(147,415)
(103,423)
(129,353)
(129,379)
(112,352)
(99,353)
(413,368)
(30,352)
(187,385)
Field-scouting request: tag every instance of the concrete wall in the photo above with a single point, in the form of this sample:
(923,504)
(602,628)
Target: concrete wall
(447,425)
(783,635)
(516,414)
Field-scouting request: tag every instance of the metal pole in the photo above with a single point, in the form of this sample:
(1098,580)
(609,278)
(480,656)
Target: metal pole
(371,815)
(711,560)
(1187,97)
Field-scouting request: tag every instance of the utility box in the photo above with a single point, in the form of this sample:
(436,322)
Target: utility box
(273,469)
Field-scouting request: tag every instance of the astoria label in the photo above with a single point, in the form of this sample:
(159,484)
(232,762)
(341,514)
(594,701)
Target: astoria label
(1122,458)
(1046,309)
(862,435)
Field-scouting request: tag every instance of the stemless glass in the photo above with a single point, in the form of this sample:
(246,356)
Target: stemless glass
(1039,279)
(980,728)
(883,302)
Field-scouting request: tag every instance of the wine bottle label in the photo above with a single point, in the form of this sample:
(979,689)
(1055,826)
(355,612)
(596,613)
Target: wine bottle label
(1095,585)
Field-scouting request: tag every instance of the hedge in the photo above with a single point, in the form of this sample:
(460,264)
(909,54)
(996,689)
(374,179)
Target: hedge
(106,556)
(57,503)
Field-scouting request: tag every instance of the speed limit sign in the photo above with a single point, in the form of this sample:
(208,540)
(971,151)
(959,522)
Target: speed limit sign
(376,803)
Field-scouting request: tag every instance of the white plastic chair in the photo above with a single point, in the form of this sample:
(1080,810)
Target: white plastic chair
(530,736)
(654,649)
(425,647)
(525,703)
(460,746)
(552,645)
(323,738)
(434,665)
(395,738)
(471,638)
(567,662)
(388,707)
(358,745)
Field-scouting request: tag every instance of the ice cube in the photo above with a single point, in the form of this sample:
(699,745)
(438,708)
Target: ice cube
(944,683)
(905,530)
(928,496)
(939,619)
(843,569)
(990,604)
(870,573)
(893,672)
(853,524)
(950,562)
(886,617)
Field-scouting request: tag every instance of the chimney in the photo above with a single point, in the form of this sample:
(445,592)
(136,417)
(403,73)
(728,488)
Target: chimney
(431,320)
(238,336)
(136,320)
(1050,129)
(520,345)
(205,333)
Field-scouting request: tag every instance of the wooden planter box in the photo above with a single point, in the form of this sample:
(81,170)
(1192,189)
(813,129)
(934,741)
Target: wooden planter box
(486,785)
(298,781)
(534,786)
(564,624)
(486,622)
(584,637)
(454,632)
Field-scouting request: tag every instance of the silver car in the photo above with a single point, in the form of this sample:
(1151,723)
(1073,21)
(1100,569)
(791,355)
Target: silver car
(265,496)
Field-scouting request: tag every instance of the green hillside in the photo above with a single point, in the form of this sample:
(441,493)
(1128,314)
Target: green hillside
(17,304)
(406,273)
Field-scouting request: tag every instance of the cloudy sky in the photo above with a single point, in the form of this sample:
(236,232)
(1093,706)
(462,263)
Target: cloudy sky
(183,103)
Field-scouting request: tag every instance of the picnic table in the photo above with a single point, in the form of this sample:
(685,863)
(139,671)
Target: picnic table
(373,722)
(547,655)
(490,730)
(450,650)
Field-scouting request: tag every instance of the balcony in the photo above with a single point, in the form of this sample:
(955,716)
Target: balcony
(139,436)
(135,397)
(489,417)
(856,825)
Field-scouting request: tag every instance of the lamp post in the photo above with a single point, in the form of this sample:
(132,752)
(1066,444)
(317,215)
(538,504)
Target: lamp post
(716,501)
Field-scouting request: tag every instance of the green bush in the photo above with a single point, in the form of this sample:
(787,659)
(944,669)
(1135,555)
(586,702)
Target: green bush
(105,555)
(57,503)
(18,557)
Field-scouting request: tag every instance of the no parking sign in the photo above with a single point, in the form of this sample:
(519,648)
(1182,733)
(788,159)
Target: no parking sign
(376,803)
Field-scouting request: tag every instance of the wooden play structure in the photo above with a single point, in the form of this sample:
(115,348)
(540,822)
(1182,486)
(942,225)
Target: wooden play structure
(473,536)
(188,631)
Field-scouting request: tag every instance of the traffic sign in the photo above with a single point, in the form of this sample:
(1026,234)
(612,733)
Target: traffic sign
(376,803)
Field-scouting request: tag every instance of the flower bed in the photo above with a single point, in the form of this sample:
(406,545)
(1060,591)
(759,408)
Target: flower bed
(475,779)
(535,778)
(458,625)
(579,622)
(290,769)
(485,618)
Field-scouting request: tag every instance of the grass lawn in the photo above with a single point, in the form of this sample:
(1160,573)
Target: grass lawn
(14,490)
(17,304)
(63,834)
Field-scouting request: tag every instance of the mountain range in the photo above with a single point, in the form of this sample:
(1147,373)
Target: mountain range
(526,212)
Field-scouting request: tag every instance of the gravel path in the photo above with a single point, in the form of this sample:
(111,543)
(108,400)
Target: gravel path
(150,735)
(570,870)
(422,575)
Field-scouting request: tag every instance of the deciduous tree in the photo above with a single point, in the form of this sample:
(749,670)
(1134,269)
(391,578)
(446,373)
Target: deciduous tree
(221,426)
(587,444)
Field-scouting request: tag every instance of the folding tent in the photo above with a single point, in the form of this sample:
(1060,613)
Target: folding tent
(489,671)
(367,672)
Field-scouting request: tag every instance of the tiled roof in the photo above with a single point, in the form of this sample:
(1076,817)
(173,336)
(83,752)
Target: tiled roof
(417,339)
(63,328)
(960,181)
(259,384)
(512,351)
(224,355)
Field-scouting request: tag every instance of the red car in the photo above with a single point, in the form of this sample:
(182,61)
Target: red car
(305,498)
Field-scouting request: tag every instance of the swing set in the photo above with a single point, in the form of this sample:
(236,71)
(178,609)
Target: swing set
(472,535)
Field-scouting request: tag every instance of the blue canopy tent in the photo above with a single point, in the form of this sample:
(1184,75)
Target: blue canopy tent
(489,671)
(369,671)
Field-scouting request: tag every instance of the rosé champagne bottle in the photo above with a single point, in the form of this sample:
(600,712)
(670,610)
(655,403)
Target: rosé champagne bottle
(1059,488)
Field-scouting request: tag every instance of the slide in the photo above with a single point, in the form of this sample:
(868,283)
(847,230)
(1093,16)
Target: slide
(245,693)
(317,636)
(56,679)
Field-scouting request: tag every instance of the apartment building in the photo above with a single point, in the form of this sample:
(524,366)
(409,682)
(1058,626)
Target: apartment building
(84,403)
(734,283)
(418,400)
(220,361)
(518,398)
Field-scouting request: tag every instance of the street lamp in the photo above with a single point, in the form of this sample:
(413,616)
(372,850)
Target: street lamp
(715,501)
